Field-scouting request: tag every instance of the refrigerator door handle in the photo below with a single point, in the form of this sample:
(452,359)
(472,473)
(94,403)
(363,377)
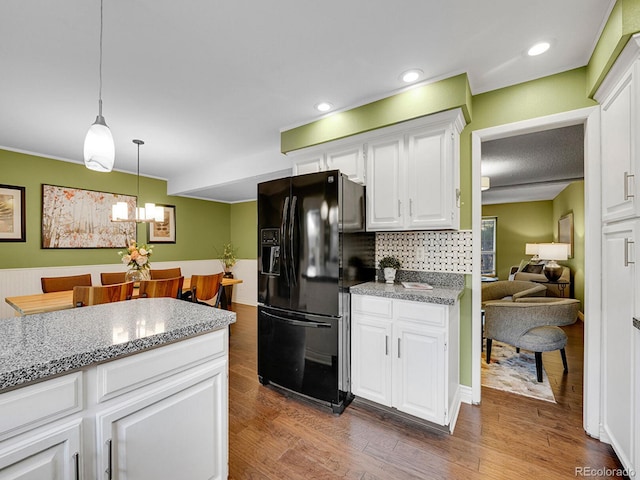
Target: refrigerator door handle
(292,228)
(283,233)
(298,323)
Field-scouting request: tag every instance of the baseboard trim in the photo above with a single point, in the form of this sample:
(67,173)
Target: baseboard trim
(466,394)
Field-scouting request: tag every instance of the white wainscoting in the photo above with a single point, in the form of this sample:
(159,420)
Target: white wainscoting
(26,281)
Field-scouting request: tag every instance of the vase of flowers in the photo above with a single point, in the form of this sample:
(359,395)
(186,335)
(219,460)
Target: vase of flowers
(389,265)
(136,257)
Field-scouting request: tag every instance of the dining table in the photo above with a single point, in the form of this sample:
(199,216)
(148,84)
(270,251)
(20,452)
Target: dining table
(52,301)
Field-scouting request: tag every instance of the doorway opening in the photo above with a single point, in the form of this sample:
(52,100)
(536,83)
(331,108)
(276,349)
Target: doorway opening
(589,118)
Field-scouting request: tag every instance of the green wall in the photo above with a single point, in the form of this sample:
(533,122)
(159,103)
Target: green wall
(201,226)
(518,224)
(244,235)
(571,199)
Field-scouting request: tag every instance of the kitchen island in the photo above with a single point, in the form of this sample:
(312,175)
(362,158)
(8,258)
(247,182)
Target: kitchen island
(405,350)
(134,389)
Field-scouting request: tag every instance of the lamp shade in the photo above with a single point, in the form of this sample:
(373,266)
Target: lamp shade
(531,249)
(485,183)
(553,251)
(99,150)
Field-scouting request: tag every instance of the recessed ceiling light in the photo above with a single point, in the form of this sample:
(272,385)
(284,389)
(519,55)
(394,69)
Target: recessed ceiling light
(324,106)
(411,75)
(538,49)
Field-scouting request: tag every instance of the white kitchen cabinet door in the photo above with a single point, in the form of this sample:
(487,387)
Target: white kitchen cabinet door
(419,373)
(52,455)
(312,164)
(349,160)
(385,183)
(180,434)
(620,127)
(371,359)
(432,183)
(620,290)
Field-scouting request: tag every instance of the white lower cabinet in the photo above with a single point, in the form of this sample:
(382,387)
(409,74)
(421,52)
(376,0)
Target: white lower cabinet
(44,454)
(159,414)
(404,356)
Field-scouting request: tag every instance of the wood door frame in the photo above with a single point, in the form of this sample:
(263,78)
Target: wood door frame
(590,118)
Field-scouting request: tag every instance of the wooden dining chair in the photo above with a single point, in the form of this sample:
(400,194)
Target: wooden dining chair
(86,296)
(110,278)
(59,284)
(168,287)
(166,273)
(205,288)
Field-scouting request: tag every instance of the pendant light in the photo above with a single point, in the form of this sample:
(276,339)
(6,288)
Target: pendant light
(99,150)
(147,214)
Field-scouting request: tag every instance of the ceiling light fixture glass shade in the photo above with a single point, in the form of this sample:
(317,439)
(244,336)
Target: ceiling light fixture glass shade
(147,214)
(485,183)
(99,149)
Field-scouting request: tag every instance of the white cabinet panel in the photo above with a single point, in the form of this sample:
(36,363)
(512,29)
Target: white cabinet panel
(49,454)
(619,271)
(371,359)
(172,438)
(420,371)
(349,160)
(385,168)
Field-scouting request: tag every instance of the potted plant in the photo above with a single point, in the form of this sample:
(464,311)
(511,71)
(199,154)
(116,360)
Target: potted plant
(228,258)
(389,265)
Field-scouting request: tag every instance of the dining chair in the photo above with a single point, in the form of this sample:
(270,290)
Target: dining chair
(205,288)
(168,287)
(110,278)
(84,296)
(59,284)
(166,273)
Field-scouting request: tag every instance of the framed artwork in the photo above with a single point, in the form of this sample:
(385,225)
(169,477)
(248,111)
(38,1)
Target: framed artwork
(565,231)
(77,218)
(165,231)
(12,214)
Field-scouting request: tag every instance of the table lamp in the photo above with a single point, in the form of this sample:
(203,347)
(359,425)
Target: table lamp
(532,249)
(553,252)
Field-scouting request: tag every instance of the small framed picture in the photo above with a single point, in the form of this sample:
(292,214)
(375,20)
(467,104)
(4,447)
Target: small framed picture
(12,214)
(565,231)
(165,231)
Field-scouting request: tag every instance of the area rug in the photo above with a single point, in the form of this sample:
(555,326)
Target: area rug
(514,372)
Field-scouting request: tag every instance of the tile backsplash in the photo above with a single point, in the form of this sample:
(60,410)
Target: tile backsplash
(443,251)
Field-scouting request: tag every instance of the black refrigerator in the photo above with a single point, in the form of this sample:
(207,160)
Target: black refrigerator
(312,246)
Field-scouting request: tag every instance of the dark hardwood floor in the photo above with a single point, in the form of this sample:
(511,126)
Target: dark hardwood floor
(508,436)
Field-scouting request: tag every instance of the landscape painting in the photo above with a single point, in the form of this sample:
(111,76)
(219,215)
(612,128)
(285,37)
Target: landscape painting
(77,218)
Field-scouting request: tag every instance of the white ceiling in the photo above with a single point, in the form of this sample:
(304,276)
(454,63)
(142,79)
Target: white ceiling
(209,85)
(532,167)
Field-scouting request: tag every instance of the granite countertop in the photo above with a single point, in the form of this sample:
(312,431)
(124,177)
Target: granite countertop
(38,346)
(439,295)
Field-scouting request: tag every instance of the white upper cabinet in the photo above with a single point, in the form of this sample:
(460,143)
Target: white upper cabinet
(348,157)
(619,97)
(414,175)
(411,171)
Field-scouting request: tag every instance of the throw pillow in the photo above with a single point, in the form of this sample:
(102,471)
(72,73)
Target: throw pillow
(533,268)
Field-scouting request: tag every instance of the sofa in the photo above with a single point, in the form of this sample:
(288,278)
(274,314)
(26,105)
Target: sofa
(533,273)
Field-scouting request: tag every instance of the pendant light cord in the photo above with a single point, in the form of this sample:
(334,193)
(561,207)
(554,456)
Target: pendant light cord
(100,68)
